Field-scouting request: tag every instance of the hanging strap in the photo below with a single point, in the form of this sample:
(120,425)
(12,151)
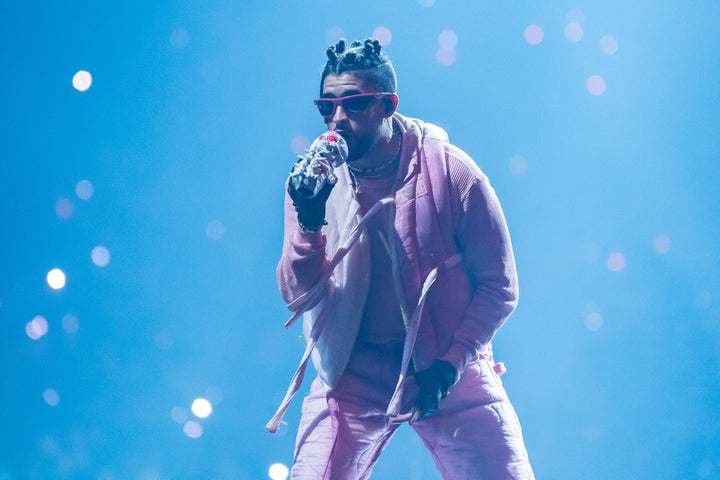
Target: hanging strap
(412,331)
(308,300)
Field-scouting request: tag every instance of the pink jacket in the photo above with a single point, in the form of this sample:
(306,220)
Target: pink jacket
(444,209)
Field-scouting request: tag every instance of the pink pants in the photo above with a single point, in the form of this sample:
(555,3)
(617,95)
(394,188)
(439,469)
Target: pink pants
(475,434)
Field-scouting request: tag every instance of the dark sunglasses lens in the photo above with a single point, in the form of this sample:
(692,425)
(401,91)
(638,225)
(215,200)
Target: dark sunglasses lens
(357,104)
(325,107)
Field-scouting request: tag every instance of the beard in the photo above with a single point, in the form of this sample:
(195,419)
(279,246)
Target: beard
(359,146)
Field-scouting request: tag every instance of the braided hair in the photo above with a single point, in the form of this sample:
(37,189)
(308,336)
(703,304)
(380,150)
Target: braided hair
(364,58)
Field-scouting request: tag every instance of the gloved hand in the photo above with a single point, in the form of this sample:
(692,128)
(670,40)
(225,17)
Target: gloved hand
(310,211)
(434,384)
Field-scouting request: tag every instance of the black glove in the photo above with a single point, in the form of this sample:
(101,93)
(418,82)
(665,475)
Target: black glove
(310,211)
(434,383)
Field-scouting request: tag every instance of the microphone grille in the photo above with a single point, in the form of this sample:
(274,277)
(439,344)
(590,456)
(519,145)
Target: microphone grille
(334,144)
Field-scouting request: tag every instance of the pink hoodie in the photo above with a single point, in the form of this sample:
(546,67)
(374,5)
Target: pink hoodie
(444,211)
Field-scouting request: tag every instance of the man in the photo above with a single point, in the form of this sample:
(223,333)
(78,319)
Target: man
(403,271)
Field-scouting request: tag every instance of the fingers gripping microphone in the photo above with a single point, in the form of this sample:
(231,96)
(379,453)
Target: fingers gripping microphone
(315,166)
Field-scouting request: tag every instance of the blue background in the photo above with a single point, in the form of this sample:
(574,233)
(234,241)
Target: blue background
(189,123)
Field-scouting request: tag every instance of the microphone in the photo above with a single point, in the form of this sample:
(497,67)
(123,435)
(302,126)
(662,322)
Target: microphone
(309,175)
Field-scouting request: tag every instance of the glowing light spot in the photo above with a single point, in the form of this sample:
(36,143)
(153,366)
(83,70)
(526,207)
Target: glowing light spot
(595,84)
(70,323)
(704,300)
(201,408)
(445,56)
(214,395)
(616,261)
(179,38)
(448,39)
(84,190)
(100,256)
(179,415)
(383,35)
(299,144)
(334,34)
(64,208)
(278,471)
(56,279)
(51,397)
(661,244)
(37,327)
(593,321)
(574,32)
(82,80)
(609,45)
(575,15)
(426,3)
(518,165)
(534,34)
(705,469)
(591,433)
(193,429)
(215,230)
(164,340)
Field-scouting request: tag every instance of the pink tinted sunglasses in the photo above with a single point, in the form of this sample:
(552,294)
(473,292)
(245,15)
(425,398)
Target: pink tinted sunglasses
(351,103)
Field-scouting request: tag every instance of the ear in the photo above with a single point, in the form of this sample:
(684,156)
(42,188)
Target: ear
(391,103)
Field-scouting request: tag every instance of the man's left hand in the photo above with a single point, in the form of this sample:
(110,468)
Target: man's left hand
(434,384)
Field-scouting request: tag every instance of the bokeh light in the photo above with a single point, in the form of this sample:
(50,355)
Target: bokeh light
(56,279)
(164,340)
(37,327)
(179,38)
(278,471)
(595,85)
(448,39)
(82,80)
(383,35)
(704,300)
(215,230)
(179,415)
(574,32)
(51,397)
(100,256)
(201,408)
(64,208)
(333,34)
(575,15)
(616,261)
(534,34)
(193,429)
(445,56)
(661,244)
(609,45)
(593,321)
(70,323)
(84,189)
(518,165)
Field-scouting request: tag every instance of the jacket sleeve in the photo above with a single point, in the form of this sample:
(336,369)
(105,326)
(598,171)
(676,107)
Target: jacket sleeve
(303,258)
(482,236)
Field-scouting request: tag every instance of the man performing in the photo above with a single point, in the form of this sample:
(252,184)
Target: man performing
(402,269)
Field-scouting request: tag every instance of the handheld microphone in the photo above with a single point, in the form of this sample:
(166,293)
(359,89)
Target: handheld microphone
(309,175)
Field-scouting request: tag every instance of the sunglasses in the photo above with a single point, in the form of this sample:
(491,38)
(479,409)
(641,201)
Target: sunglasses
(351,104)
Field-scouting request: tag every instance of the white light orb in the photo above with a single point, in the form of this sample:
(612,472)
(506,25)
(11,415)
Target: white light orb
(201,408)
(56,279)
(82,80)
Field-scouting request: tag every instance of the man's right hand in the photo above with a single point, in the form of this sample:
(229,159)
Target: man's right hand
(310,211)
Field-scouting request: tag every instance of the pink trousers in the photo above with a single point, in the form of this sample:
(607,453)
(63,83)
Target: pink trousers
(475,434)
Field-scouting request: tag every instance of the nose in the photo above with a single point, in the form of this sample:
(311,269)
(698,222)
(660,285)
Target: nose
(338,116)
